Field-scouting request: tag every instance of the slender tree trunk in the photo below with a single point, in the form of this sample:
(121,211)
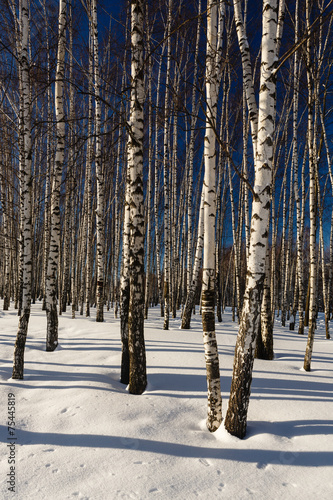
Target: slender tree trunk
(51,287)
(247,73)
(26,195)
(100,222)
(189,304)
(190,162)
(88,179)
(329,162)
(125,291)
(322,255)
(214,411)
(74,268)
(66,244)
(283,249)
(296,187)
(166,167)
(287,288)
(264,348)
(236,418)
(329,293)
(312,204)
(150,187)
(49,177)
(136,344)
(6,233)
(156,197)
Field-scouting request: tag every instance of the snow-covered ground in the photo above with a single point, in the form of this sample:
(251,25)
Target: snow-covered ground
(81,435)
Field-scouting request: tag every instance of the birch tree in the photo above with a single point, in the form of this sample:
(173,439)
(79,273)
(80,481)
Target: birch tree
(51,285)
(236,417)
(150,160)
(296,186)
(214,417)
(312,197)
(100,224)
(48,176)
(88,176)
(166,167)
(125,290)
(136,345)
(5,203)
(187,313)
(25,192)
(156,214)
(189,304)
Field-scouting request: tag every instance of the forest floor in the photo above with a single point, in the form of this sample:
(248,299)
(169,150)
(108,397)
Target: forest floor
(79,434)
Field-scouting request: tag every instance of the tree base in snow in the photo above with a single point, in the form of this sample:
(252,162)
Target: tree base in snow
(51,347)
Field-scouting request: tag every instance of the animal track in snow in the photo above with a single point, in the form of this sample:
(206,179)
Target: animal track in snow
(204,462)
(221,485)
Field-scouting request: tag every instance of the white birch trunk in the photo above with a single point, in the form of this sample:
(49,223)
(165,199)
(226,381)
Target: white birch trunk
(245,173)
(191,157)
(70,180)
(156,198)
(329,299)
(236,417)
(214,411)
(322,256)
(299,237)
(100,223)
(286,291)
(6,233)
(137,356)
(233,211)
(247,73)
(150,180)
(329,163)
(88,179)
(166,166)
(48,180)
(312,202)
(189,304)
(26,195)
(51,286)
(125,289)
(264,347)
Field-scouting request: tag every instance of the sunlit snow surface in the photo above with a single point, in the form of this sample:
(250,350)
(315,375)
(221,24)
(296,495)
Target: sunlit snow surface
(81,435)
